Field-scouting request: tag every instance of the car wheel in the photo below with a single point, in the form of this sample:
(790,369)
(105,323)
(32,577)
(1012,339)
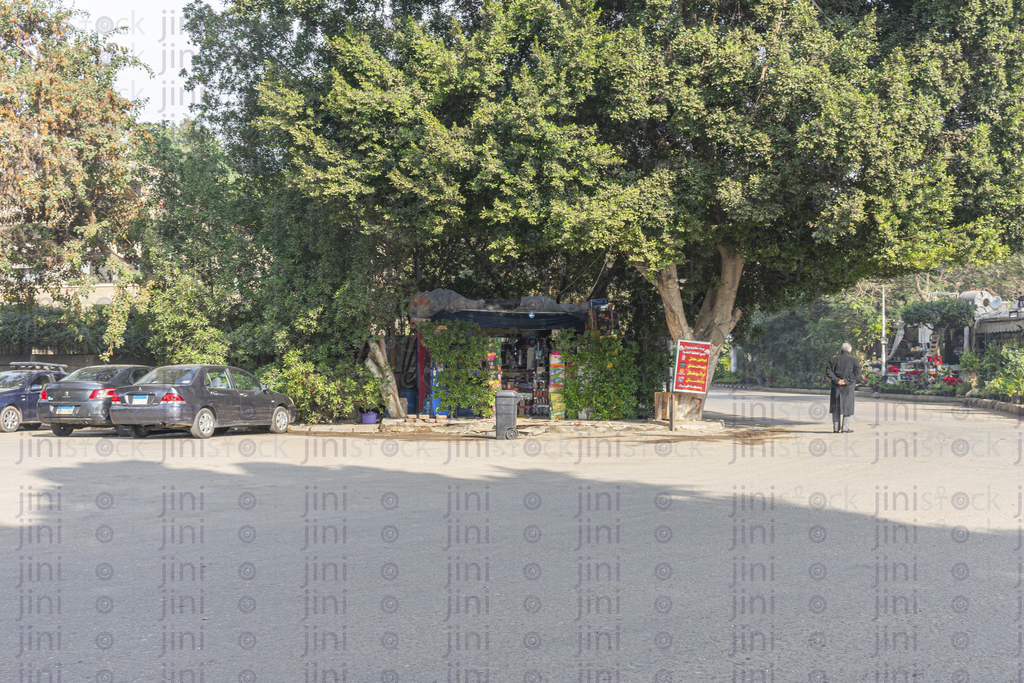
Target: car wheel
(204,425)
(31,425)
(122,431)
(279,421)
(138,431)
(10,419)
(62,430)
(221,431)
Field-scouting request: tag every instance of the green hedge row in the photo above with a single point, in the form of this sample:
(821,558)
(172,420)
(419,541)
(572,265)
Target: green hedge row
(52,329)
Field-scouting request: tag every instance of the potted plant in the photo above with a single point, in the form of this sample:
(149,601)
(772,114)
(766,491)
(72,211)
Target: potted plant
(873,380)
(371,395)
(970,363)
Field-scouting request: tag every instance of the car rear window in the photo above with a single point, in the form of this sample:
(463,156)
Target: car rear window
(13,379)
(169,376)
(99,374)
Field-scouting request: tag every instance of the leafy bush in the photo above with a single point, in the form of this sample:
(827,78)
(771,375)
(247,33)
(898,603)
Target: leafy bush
(969,360)
(182,333)
(993,359)
(461,349)
(601,375)
(66,332)
(654,370)
(723,370)
(725,377)
(322,395)
(371,393)
(318,397)
(1005,366)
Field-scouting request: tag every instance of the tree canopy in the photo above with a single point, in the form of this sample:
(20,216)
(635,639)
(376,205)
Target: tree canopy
(737,155)
(69,191)
(941,314)
(701,161)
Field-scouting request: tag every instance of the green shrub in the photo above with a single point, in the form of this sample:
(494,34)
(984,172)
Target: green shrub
(182,331)
(371,394)
(322,395)
(723,370)
(68,332)
(969,360)
(654,370)
(1004,366)
(994,358)
(600,375)
(461,349)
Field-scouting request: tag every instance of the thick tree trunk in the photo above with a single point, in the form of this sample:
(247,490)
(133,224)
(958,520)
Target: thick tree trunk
(377,362)
(716,320)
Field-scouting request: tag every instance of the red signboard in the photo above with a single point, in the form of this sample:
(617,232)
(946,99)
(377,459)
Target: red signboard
(691,371)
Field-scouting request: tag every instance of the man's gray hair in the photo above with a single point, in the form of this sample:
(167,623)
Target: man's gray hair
(847,348)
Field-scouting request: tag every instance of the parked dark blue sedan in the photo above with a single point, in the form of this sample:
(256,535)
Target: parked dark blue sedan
(83,398)
(204,399)
(20,388)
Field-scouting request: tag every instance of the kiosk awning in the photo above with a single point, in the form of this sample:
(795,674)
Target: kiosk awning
(507,320)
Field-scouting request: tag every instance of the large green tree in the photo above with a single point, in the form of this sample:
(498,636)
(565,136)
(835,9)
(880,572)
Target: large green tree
(243,43)
(69,190)
(736,156)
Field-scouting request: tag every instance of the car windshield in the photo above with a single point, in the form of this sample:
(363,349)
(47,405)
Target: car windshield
(100,374)
(169,376)
(13,379)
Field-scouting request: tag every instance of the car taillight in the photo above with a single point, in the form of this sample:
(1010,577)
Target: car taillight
(171,397)
(42,396)
(104,393)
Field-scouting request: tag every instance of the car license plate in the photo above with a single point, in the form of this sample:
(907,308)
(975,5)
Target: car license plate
(65,410)
(140,400)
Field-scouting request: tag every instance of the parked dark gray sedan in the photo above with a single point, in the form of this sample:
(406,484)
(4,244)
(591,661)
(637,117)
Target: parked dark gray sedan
(204,399)
(83,398)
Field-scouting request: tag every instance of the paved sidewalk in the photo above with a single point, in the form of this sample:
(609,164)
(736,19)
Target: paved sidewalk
(767,550)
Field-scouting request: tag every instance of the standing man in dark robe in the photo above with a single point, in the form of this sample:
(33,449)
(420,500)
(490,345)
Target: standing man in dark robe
(843,371)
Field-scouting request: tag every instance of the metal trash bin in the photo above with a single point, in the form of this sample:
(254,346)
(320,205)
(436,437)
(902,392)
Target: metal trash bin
(505,403)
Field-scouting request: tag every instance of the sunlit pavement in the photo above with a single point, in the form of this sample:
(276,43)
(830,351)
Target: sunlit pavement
(773,550)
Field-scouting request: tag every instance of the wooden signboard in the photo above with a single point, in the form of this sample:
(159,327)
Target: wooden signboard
(691,367)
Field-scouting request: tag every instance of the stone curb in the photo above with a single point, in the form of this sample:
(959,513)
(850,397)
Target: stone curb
(333,429)
(918,399)
(1013,409)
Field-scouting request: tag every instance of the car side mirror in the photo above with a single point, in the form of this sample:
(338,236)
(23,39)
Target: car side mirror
(264,387)
(35,388)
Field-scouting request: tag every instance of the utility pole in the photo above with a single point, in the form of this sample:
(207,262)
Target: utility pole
(885,363)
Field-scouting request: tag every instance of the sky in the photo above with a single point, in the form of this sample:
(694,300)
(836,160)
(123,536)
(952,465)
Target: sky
(154,34)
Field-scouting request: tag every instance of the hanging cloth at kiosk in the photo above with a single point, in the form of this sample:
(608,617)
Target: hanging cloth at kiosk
(895,343)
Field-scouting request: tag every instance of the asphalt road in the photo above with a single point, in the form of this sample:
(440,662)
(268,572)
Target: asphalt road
(771,551)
